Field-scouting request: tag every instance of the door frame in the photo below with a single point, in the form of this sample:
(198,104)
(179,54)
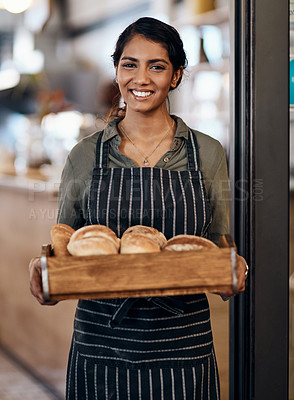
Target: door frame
(259,176)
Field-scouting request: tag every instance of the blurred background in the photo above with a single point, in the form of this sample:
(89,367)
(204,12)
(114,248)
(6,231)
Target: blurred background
(56,71)
(56,78)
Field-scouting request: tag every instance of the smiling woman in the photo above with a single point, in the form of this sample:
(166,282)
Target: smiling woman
(145,75)
(150,169)
(148,65)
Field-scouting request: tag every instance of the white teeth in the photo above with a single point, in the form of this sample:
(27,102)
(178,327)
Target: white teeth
(141,94)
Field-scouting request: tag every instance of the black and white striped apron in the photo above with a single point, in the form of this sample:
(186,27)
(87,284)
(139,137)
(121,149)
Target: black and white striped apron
(148,348)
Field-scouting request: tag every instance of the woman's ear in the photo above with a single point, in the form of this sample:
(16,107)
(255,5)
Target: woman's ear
(176,76)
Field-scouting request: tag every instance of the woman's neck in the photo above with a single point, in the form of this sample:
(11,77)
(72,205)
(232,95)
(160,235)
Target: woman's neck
(148,126)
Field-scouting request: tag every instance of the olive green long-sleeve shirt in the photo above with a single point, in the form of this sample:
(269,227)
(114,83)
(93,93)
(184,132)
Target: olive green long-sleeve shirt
(77,174)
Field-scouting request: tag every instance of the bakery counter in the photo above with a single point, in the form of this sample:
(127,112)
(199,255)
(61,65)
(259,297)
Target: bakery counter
(37,335)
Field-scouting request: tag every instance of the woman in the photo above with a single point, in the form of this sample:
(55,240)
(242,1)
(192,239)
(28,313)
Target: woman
(145,168)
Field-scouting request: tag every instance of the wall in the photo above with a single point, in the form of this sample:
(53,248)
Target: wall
(38,335)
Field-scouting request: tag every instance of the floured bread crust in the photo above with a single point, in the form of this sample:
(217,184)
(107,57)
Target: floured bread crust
(93,240)
(188,242)
(133,243)
(92,246)
(96,230)
(146,232)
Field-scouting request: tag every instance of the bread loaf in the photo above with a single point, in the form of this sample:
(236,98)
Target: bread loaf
(142,239)
(60,236)
(93,240)
(132,244)
(92,246)
(147,231)
(188,242)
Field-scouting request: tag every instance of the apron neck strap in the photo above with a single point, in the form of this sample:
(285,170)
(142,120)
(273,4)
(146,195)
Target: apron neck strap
(102,152)
(192,152)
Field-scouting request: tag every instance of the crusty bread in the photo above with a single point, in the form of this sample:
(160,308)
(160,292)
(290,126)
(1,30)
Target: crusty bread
(60,236)
(96,231)
(188,242)
(91,246)
(147,232)
(93,240)
(133,243)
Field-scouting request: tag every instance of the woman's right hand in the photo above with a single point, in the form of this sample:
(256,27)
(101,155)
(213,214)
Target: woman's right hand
(36,281)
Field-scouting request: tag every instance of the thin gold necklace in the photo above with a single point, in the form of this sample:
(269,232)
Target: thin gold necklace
(146,157)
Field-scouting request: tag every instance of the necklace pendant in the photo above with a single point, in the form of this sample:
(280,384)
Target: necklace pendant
(146,163)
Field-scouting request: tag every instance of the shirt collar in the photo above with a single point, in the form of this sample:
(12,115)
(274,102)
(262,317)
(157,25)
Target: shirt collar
(110,131)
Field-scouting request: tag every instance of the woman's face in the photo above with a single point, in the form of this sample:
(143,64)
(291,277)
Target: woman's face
(145,75)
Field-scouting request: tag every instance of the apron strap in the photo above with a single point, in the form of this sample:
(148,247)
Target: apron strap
(121,311)
(170,304)
(102,151)
(192,152)
(167,303)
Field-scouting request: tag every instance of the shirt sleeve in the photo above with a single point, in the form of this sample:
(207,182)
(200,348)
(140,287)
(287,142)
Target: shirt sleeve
(69,204)
(75,183)
(219,193)
(213,164)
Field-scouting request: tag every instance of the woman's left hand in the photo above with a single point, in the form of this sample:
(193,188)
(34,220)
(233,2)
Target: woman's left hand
(241,272)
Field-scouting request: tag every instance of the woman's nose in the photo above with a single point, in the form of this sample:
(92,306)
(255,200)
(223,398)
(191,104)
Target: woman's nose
(141,76)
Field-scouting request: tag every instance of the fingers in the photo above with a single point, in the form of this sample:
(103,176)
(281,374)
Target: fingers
(226,294)
(242,271)
(35,278)
(35,270)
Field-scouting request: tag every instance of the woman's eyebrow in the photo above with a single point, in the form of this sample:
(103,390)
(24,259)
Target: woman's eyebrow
(129,58)
(149,61)
(158,60)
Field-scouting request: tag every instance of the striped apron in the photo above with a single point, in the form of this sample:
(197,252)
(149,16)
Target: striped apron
(157,348)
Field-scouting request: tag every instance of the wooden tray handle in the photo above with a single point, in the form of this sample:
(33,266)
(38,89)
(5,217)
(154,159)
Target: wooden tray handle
(45,252)
(228,241)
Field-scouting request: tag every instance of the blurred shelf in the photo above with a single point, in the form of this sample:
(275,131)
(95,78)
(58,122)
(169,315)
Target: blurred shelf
(215,17)
(222,67)
(222,116)
(28,183)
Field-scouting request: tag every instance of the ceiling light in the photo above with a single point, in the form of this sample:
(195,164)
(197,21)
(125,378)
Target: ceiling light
(8,79)
(16,6)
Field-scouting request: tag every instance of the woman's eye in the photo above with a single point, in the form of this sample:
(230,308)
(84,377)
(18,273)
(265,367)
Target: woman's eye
(129,65)
(157,67)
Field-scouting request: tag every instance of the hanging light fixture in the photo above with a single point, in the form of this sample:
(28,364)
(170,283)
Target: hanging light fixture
(9,78)
(16,6)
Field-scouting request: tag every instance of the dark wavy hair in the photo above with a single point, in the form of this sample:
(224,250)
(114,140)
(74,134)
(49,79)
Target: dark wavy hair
(156,31)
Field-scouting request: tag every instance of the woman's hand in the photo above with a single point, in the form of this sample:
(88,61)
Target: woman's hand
(241,272)
(36,281)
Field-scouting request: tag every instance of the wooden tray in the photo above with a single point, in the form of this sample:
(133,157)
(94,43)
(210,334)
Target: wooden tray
(138,275)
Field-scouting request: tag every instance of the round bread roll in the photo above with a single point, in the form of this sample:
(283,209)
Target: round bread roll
(132,244)
(96,231)
(188,242)
(93,240)
(92,246)
(146,231)
(60,236)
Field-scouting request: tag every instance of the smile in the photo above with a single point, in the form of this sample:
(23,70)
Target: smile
(141,94)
